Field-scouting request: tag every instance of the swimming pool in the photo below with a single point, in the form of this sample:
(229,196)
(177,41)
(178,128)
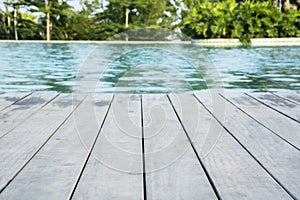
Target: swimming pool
(146,68)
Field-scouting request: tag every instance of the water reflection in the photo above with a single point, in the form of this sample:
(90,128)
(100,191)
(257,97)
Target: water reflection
(146,68)
(259,69)
(151,70)
(39,67)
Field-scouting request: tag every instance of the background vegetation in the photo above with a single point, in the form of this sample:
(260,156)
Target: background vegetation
(99,20)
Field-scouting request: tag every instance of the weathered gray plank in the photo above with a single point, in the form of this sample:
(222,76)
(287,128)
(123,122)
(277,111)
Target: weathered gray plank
(290,96)
(280,159)
(7,99)
(172,168)
(17,113)
(53,171)
(283,106)
(23,142)
(235,173)
(279,124)
(114,170)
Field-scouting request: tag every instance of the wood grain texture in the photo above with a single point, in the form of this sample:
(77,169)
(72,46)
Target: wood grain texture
(268,149)
(150,146)
(54,170)
(290,96)
(114,170)
(279,104)
(171,164)
(18,147)
(7,99)
(17,113)
(235,173)
(276,122)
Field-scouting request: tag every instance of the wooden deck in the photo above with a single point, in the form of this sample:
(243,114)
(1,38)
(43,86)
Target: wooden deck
(206,145)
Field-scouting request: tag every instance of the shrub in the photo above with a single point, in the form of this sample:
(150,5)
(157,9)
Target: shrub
(228,19)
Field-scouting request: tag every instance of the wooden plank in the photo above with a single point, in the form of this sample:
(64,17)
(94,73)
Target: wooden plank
(274,121)
(65,163)
(278,158)
(283,106)
(17,113)
(18,147)
(236,174)
(290,96)
(172,168)
(53,171)
(7,99)
(114,170)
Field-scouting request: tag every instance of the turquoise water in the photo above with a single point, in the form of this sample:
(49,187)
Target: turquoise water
(159,68)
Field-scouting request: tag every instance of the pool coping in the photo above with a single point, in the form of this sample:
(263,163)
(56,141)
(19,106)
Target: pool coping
(255,42)
(93,42)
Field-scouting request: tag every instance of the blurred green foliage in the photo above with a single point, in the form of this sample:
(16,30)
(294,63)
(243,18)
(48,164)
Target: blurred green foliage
(246,20)
(195,18)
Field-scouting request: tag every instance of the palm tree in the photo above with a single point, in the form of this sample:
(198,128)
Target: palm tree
(15,6)
(6,3)
(48,20)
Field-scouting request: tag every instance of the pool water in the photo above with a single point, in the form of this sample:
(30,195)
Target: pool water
(146,68)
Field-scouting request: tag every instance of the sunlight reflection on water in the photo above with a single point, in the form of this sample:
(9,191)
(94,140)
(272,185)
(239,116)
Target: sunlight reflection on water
(143,68)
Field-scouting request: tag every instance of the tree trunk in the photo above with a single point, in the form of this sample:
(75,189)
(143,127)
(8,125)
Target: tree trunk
(192,5)
(286,5)
(4,23)
(8,19)
(15,20)
(126,17)
(47,3)
(280,5)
